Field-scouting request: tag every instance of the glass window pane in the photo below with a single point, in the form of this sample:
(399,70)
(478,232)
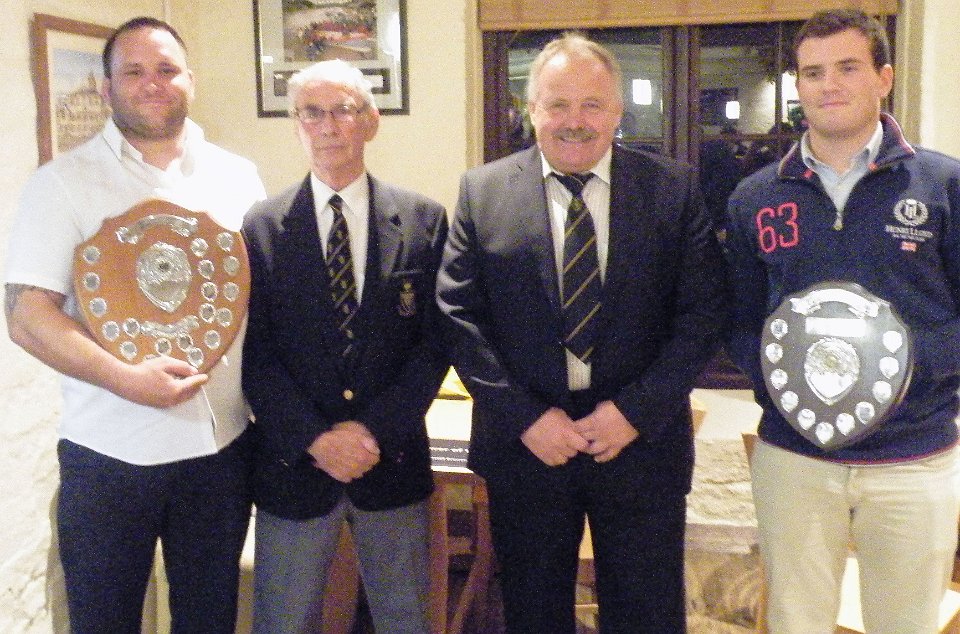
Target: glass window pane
(737,79)
(791,115)
(642,66)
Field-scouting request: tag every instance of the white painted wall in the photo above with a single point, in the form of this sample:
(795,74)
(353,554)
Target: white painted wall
(932,73)
(425,150)
(29,394)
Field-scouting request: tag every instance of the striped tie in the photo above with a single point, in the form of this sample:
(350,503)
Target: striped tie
(343,286)
(581,271)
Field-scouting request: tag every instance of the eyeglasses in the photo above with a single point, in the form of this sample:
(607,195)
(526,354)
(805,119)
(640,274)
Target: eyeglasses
(312,115)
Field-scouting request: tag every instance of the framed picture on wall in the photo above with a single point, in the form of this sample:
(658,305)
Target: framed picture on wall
(292,34)
(67,76)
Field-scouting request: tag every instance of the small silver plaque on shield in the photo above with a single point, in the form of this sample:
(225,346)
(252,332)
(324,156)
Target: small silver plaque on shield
(836,361)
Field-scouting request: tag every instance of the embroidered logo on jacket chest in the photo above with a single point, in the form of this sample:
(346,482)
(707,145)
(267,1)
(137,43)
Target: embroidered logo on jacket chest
(910,215)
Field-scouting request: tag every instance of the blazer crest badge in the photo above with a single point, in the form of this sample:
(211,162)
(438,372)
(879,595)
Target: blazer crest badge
(408,299)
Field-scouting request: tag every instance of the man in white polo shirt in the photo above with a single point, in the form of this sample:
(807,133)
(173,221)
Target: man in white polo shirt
(154,450)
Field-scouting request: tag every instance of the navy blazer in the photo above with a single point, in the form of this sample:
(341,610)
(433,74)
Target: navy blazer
(665,305)
(293,375)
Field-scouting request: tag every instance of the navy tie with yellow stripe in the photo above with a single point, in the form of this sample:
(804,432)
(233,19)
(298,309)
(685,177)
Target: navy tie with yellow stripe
(343,285)
(581,271)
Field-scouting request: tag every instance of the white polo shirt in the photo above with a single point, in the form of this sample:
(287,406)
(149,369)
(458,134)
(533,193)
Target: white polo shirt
(63,204)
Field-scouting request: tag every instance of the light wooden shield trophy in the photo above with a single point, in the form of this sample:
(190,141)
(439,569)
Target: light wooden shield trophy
(163,280)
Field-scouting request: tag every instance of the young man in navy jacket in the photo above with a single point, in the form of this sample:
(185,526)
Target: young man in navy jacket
(853,201)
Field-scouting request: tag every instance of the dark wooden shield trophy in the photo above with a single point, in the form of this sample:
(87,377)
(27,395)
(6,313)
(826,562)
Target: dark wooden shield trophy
(836,361)
(163,280)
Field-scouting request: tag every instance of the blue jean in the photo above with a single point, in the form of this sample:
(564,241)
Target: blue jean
(293,557)
(110,516)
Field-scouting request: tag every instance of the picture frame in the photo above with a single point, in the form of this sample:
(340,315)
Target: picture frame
(292,34)
(67,76)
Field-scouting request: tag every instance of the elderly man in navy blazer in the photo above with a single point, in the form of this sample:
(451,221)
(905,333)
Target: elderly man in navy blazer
(340,365)
(584,290)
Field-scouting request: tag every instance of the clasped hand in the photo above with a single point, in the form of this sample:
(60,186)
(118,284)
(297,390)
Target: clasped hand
(555,438)
(345,452)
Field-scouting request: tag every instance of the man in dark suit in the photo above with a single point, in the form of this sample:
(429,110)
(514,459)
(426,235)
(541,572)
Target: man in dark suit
(565,427)
(340,365)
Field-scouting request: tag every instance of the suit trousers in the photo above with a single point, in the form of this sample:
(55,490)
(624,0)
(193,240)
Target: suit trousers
(537,517)
(293,557)
(111,513)
(901,518)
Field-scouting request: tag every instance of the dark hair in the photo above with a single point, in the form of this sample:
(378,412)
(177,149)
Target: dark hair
(143,22)
(833,21)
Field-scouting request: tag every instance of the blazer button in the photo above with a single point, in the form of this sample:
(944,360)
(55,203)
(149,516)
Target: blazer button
(348,395)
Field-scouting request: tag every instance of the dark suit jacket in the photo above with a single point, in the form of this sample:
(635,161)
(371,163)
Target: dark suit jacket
(293,376)
(664,308)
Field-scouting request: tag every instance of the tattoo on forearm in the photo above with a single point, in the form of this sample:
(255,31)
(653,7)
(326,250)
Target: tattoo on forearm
(14,291)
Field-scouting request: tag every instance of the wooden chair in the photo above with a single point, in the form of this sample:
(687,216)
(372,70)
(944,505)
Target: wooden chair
(587,609)
(343,588)
(478,545)
(850,618)
(343,582)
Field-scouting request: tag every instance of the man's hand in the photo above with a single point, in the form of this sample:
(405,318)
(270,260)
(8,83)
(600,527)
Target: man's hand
(37,323)
(553,439)
(607,431)
(346,452)
(159,382)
